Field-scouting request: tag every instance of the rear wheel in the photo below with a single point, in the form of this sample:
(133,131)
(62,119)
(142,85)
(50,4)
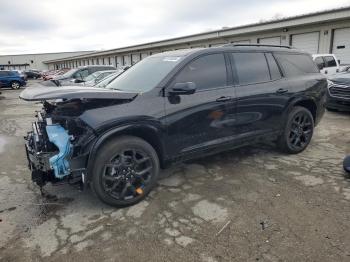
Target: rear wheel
(15,85)
(298,131)
(125,171)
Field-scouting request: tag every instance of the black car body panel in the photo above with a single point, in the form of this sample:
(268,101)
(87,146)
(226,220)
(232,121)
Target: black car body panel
(185,126)
(40,93)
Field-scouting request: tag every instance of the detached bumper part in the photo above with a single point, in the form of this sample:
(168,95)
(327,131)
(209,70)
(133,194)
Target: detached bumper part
(60,138)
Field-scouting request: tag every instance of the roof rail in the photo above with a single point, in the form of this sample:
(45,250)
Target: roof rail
(258,45)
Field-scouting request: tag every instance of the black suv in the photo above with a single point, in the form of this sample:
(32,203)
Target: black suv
(172,107)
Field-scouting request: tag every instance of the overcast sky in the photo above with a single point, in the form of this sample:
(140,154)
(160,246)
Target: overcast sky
(34,26)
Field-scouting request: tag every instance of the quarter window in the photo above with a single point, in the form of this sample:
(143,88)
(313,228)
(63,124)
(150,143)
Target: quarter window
(330,61)
(296,64)
(251,68)
(206,72)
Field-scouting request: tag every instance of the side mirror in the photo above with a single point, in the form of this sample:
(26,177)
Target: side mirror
(187,88)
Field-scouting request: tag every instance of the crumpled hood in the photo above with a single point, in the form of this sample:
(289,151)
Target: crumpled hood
(41,93)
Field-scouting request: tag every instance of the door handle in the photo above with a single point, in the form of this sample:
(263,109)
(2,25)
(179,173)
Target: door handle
(281,91)
(223,99)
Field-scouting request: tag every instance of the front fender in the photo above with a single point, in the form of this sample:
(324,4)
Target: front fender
(126,129)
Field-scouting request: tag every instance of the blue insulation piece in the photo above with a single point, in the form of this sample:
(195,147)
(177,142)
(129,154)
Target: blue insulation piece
(60,138)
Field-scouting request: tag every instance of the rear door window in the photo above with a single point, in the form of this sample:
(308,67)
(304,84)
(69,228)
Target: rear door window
(296,64)
(330,61)
(251,68)
(206,72)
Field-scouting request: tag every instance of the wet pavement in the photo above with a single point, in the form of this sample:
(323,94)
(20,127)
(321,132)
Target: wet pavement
(251,204)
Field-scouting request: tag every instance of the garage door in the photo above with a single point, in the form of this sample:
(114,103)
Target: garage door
(307,42)
(126,60)
(135,58)
(243,42)
(341,45)
(270,40)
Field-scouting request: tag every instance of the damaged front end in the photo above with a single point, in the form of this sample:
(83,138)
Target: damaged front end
(55,148)
(58,146)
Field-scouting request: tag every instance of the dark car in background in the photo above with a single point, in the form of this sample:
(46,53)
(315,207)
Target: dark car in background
(171,107)
(33,74)
(338,95)
(13,79)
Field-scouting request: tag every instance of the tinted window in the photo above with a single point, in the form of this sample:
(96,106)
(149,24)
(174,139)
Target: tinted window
(206,72)
(3,73)
(251,68)
(330,61)
(319,62)
(274,70)
(296,64)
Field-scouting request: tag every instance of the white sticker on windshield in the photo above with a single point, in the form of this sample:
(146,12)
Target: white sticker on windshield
(171,59)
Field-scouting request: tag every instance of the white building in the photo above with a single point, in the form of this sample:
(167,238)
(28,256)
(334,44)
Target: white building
(321,32)
(33,61)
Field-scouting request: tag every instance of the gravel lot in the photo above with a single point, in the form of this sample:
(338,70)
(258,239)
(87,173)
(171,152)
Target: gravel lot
(252,204)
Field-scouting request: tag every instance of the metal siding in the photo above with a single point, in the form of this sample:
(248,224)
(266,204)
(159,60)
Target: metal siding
(341,45)
(241,42)
(144,55)
(270,40)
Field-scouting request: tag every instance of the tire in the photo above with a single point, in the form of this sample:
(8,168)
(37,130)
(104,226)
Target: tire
(15,85)
(119,165)
(297,132)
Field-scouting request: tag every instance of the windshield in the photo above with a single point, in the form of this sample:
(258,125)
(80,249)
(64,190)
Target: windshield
(92,76)
(145,75)
(70,73)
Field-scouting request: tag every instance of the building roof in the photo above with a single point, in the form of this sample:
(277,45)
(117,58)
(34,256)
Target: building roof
(310,18)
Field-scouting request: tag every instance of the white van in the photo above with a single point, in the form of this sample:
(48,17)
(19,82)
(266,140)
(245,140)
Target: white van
(327,63)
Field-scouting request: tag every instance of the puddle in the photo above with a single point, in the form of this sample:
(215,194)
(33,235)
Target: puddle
(2,143)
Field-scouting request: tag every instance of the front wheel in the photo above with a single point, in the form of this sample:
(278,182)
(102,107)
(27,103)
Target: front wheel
(298,131)
(15,85)
(125,171)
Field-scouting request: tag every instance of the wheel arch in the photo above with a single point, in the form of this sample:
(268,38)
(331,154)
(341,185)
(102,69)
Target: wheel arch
(149,133)
(306,102)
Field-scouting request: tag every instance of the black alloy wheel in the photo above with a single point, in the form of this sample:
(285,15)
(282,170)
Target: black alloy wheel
(127,174)
(298,131)
(124,171)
